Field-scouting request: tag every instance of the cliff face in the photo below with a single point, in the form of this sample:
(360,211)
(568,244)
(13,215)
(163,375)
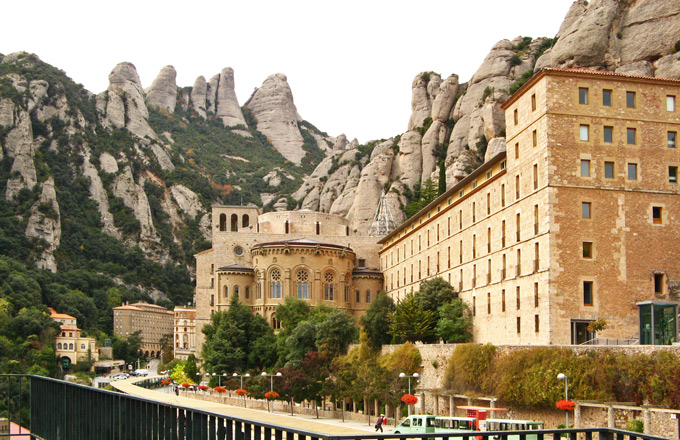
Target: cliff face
(147,163)
(464,121)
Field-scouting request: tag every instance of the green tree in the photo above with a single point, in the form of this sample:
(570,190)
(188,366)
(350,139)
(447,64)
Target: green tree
(335,333)
(455,321)
(423,195)
(411,322)
(376,321)
(434,293)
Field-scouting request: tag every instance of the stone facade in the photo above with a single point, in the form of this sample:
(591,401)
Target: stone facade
(185,332)
(265,258)
(70,344)
(154,321)
(575,222)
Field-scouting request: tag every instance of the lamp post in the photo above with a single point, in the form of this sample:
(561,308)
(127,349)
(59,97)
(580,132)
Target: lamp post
(271,387)
(414,375)
(564,377)
(242,376)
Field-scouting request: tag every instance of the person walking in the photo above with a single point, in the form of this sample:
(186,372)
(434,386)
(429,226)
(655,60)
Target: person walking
(379,423)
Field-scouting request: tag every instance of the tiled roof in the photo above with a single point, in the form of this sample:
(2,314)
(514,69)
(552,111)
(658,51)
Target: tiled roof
(605,73)
(55,315)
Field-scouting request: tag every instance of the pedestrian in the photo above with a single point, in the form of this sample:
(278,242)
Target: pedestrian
(177,391)
(379,423)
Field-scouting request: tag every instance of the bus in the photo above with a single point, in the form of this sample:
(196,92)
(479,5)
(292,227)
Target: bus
(426,424)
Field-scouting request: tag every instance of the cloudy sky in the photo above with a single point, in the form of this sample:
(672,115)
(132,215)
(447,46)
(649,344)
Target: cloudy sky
(349,63)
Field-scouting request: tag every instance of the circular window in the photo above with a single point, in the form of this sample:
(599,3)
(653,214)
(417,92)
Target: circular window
(238,250)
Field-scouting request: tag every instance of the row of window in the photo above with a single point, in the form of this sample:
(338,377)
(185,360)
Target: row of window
(608,136)
(69,346)
(632,170)
(657,213)
(631,98)
(518,301)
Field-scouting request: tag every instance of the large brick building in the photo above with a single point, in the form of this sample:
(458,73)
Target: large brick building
(154,322)
(578,221)
(265,258)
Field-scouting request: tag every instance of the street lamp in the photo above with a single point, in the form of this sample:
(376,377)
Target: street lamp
(414,375)
(271,376)
(564,377)
(242,376)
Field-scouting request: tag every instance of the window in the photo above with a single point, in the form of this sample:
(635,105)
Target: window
(672,135)
(535,294)
(587,293)
(517,187)
(276,283)
(247,292)
(673,174)
(582,95)
(606,98)
(670,103)
(585,210)
(368,296)
(488,303)
(583,132)
(488,203)
(535,176)
(630,99)
(536,323)
(608,134)
(226,291)
(534,138)
(585,168)
(503,195)
(358,294)
(657,212)
(609,170)
(329,287)
(587,249)
(533,102)
(515,117)
(632,171)
(517,150)
(519,325)
(658,283)
(630,136)
(517,296)
(302,279)
(503,300)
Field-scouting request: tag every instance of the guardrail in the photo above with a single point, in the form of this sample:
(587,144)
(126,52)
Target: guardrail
(56,410)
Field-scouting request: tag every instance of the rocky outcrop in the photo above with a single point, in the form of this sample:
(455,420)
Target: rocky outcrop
(163,91)
(495,147)
(423,91)
(198,96)
(98,192)
(19,145)
(7,113)
(45,223)
(163,157)
(187,200)
(227,105)
(277,118)
(133,196)
(409,161)
(123,103)
(211,94)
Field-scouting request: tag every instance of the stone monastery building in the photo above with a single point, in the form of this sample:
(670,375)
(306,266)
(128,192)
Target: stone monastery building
(265,258)
(578,221)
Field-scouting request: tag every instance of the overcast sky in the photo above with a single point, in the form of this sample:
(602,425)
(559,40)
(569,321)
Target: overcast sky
(349,63)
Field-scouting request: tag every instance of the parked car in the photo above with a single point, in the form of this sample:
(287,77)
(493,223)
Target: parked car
(141,372)
(120,376)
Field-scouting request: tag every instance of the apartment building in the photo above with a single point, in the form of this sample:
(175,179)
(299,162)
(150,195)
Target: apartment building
(577,221)
(154,322)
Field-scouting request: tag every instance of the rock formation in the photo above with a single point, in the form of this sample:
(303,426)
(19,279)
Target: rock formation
(227,104)
(198,95)
(163,91)
(45,223)
(277,118)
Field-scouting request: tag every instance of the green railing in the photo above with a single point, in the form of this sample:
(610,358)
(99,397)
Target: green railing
(56,410)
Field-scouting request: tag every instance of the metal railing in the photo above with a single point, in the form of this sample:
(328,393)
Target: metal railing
(612,341)
(56,410)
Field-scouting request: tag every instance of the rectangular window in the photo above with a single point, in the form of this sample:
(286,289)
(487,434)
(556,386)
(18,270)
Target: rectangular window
(488,203)
(587,249)
(587,293)
(535,176)
(519,325)
(608,135)
(533,102)
(582,95)
(536,323)
(630,136)
(474,302)
(657,212)
(515,117)
(534,138)
(517,295)
(670,103)
(585,168)
(658,283)
(632,171)
(630,99)
(672,135)
(503,195)
(503,300)
(535,294)
(673,174)
(585,210)
(488,303)
(517,150)
(609,170)
(517,187)
(583,132)
(606,98)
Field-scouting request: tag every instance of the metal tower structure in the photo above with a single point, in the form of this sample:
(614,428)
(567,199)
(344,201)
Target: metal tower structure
(383,223)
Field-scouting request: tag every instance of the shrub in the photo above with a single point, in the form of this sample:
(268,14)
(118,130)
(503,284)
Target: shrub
(469,369)
(635,425)
(515,60)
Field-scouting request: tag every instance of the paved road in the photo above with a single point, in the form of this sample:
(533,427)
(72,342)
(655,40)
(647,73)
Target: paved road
(303,422)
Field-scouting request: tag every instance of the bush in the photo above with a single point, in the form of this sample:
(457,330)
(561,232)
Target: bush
(635,425)
(469,369)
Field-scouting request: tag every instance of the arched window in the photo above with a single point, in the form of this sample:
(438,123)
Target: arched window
(276,324)
(368,296)
(302,279)
(236,290)
(70,346)
(329,286)
(247,292)
(245,221)
(223,222)
(226,291)
(59,346)
(276,283)
(234,223)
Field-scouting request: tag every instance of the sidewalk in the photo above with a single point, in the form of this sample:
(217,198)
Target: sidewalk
(298,421)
